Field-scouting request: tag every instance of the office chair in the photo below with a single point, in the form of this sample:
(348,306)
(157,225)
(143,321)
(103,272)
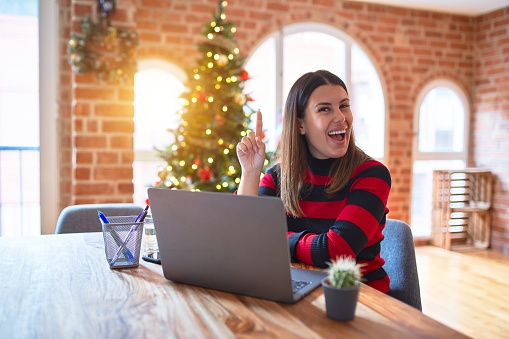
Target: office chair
(398,251)
(83,218)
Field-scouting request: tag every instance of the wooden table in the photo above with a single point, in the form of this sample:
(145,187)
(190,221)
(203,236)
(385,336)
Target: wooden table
(60,286)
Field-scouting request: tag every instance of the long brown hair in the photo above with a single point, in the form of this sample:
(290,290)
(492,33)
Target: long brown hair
(293,148)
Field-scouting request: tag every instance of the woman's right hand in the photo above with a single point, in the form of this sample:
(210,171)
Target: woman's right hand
(251,150)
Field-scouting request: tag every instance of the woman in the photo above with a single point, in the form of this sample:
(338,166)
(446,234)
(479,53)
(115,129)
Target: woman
(334,194)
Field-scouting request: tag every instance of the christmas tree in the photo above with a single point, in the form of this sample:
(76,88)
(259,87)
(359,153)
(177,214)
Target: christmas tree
(214,117)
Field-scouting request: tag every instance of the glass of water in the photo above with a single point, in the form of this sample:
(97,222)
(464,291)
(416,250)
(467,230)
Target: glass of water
(149,236)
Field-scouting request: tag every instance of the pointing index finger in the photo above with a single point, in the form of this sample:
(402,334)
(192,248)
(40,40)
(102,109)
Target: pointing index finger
(259,124)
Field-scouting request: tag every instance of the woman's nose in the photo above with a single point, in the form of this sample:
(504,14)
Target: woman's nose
(339,116)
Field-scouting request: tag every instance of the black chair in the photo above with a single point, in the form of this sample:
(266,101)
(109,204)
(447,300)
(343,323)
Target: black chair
(398,251)
(83,218)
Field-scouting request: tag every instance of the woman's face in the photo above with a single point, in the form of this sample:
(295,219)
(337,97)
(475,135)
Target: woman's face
(327,122)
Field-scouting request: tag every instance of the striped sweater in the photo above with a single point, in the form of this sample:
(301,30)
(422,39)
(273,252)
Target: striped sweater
(349,223)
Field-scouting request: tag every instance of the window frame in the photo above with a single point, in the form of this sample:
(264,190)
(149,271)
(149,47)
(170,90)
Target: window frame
(302,27)
(348,40)
(48,111)
(417,154)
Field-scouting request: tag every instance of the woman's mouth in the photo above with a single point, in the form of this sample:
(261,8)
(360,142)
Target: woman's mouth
(338,135)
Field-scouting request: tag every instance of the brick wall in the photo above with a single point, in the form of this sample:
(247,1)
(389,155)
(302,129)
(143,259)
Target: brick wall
(409,47)
(96,124)
(64,106)
(490,135)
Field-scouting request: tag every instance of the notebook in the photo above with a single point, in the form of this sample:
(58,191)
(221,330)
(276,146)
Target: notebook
(228,242)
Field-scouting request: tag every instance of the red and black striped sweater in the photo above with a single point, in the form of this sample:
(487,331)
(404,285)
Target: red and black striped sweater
(348,223)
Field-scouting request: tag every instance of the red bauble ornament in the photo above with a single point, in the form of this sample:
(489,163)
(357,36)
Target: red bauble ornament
(202,97)
(205,174)
(244,75)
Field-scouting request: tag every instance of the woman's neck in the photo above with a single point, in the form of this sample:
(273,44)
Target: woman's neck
(320,166)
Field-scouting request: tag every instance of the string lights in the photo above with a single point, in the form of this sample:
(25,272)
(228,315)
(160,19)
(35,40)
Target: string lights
(214,111)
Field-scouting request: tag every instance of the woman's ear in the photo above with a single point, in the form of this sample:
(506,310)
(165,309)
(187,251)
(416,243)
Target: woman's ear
(302,130)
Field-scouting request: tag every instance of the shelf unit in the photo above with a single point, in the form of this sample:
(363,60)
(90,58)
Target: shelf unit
(461,217)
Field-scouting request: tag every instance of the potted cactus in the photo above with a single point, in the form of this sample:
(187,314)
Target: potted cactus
(341,288)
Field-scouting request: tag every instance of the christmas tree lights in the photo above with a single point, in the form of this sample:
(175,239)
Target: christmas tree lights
(214,117)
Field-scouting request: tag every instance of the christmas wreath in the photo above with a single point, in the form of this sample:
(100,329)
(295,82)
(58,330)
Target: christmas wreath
(108,51)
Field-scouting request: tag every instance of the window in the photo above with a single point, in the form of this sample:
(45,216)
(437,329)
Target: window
(441,121)
(440,143)
(19,111)
(368,104)
(157,87)
(296,49)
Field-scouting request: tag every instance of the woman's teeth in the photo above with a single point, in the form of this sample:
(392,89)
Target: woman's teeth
(338,135)
(337,132)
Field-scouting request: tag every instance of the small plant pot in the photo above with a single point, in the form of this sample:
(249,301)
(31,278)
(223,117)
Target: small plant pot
(340,303)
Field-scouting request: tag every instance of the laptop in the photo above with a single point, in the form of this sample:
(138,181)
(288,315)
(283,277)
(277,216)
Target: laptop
(228,242)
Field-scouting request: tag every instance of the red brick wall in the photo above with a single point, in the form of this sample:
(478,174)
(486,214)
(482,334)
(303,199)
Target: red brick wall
(96,124)
(64,103)
(490,135)
(409,47)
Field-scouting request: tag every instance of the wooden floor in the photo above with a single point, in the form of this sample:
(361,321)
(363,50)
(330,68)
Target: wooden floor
(468,291)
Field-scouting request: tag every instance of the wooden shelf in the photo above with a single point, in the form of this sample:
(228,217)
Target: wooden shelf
(461,208)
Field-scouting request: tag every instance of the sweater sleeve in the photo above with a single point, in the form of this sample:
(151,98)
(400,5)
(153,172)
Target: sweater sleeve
(269,185)
(269,182)
(357,225)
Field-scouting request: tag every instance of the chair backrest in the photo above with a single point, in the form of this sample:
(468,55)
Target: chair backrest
(398,251)
(83,218)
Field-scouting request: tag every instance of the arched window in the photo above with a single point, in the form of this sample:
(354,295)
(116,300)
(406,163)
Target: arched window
(441,142)
(296,49)
(157,87)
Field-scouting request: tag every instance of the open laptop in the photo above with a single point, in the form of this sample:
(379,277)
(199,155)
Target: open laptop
(228,242)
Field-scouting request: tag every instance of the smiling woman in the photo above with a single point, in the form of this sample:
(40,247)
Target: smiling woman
(335,195)
(157,86)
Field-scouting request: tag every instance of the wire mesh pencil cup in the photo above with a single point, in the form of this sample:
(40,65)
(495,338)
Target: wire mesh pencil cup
(115,233)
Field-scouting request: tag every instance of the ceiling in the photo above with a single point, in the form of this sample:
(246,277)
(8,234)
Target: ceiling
(462,7)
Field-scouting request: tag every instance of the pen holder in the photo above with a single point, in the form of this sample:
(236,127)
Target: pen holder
(122,241)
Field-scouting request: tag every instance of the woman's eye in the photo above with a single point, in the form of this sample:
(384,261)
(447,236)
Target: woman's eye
(324,109)
(344,106)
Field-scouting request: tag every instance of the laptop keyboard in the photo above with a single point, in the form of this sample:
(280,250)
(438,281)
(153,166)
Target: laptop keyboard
(297,285)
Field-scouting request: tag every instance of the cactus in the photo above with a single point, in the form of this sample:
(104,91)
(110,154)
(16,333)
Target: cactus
(344,272)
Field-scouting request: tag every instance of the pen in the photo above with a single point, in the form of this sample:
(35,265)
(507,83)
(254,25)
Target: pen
(114,234)
(139,218)
(103,217)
